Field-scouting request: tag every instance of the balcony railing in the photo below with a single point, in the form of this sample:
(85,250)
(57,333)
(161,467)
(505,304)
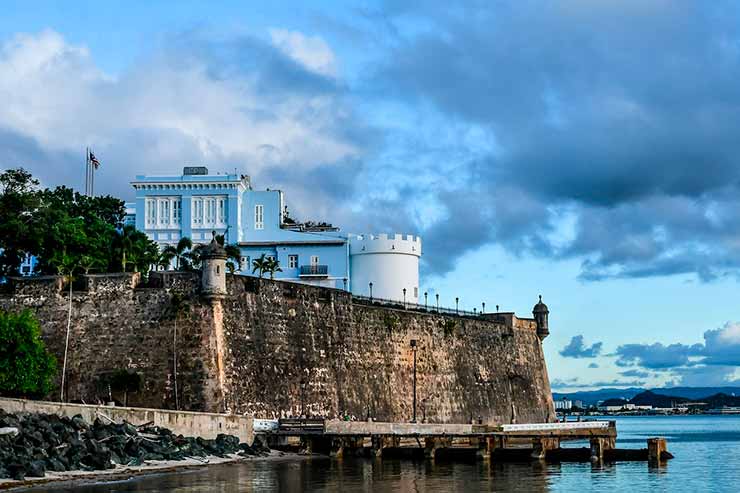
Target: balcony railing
(314,271)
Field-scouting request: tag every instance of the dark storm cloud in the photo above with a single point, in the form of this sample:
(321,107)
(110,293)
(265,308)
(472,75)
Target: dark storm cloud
(577,349)
(623,112)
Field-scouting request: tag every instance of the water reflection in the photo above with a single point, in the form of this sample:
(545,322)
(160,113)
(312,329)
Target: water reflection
(706,460)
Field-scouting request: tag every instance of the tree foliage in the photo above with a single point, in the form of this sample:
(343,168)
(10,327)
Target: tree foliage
(26,367)
(66,231)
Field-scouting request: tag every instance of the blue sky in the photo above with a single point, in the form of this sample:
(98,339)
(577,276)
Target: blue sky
(585,151)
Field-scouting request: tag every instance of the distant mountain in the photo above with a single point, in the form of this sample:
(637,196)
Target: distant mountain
(650,398)
(592,397)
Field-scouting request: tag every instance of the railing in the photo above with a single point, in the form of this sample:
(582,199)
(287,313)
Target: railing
(423,308)
(302,425)
(314,270)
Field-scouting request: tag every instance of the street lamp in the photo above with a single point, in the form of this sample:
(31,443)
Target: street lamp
(437,295)
(371,292)
(496,308)
(404,298)
(425,300)
(457,303)
(344,280)
(484,308)
(413,349)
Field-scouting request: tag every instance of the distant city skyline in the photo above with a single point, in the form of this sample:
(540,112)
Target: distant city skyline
(583,151)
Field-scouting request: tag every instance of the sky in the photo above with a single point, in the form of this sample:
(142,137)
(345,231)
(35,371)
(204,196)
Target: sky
(583,150)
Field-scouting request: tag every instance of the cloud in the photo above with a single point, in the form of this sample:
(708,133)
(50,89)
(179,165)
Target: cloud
(311,51)
(237,102)
(712,363)
(575,383)
(577,349)
(599,113)
(635,373)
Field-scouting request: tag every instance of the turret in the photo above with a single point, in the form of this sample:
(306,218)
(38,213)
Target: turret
(540,313)
(213,269)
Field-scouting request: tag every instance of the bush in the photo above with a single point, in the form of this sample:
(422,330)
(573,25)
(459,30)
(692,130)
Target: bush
(26,367)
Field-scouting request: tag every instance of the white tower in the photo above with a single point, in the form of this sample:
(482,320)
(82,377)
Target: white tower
(389,262)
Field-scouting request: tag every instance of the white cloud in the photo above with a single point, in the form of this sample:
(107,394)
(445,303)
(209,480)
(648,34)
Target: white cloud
(310,51)
(171,109)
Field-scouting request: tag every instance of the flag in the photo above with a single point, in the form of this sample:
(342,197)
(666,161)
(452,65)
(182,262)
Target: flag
(94,160)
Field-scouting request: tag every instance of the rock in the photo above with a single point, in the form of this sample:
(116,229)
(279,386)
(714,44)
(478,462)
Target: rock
(36,469)
(17,471)
(9,430)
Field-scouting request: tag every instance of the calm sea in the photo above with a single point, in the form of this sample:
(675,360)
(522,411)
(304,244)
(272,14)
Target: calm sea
(707,450)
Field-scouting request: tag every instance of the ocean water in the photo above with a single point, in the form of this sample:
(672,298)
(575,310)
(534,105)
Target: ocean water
(706,449)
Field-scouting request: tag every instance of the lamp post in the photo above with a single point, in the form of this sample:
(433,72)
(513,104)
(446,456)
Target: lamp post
(425,300)
(413,349)
(437,295)
(344,280)
(404,298)
(484,308)
(303,397)
(457,304)
(475,312)
(371,292)
(496,308)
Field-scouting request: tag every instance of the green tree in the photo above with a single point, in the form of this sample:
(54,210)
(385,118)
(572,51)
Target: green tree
(26,367)
(260,264)
(233,253)
(179,252)
(272,266)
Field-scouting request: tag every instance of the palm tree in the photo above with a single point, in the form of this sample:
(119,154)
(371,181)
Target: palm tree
(179,252)
(272,267)
(125,242)
(234,255)
(260,264)
(165,258)
(233,252)
(192,258)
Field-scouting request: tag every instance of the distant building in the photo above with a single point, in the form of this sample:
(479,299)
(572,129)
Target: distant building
(563,404)
(196,203)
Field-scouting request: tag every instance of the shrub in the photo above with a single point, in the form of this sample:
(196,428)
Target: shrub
(26,367)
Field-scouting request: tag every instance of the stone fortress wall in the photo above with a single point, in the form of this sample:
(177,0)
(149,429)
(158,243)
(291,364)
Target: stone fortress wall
(273,348)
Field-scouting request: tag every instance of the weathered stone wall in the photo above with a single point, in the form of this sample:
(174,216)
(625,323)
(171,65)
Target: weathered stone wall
(115,326)
(273,348)
(298,349)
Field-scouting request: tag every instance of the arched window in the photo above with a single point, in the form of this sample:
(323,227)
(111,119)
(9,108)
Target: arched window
(218,269)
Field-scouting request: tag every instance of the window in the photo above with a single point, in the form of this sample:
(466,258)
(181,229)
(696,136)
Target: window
(270,257)
(314,260)
(416,292)
(259,218)
(293,261)
(151,212)
(210,211)
(164,211)
(222,211)
(197,211)
(176,211)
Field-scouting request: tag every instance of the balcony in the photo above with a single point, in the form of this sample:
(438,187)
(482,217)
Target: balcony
(314,271)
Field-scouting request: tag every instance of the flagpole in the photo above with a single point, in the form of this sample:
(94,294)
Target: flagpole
(92,179)
(86,172)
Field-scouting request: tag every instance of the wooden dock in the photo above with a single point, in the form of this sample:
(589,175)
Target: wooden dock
(538,441)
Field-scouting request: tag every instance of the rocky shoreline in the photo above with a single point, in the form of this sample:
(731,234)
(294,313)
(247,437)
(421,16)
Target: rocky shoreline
(33,444)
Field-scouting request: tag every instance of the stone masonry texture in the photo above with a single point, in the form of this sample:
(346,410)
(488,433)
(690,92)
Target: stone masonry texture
(273,348)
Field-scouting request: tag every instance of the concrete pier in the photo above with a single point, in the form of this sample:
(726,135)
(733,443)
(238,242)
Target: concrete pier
(534,441)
